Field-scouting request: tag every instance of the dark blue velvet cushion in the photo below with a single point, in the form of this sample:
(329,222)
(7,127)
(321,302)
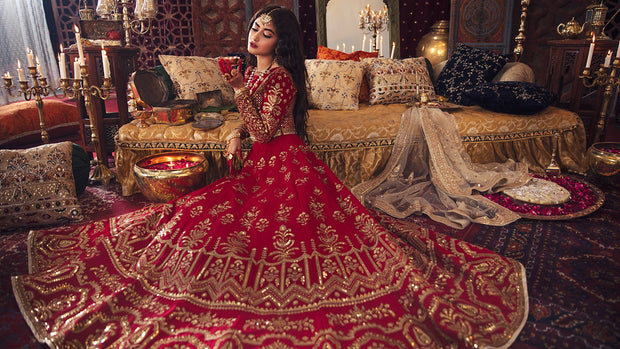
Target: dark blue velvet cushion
(513,97)
(467,68)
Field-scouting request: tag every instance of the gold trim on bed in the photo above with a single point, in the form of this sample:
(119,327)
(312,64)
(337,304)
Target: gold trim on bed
(357,144)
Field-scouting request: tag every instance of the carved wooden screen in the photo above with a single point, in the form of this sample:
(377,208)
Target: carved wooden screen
(220,26)
(171,32)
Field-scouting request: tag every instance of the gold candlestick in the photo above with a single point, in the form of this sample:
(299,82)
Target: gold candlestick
(606,78)
(39,88)
(101,173)
(141,24)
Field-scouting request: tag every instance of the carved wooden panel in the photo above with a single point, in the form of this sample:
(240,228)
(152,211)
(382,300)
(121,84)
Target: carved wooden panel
(171,32)
(219,27)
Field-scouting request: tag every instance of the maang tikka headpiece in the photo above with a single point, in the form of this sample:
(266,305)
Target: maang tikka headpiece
(265,18)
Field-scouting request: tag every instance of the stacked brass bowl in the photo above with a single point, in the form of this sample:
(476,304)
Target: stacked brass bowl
(163,185)
(604,162)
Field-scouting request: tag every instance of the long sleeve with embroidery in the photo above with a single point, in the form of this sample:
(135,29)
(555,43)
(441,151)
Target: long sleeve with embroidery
(267,108)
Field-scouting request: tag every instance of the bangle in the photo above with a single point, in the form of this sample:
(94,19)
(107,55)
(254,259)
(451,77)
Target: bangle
(242,91)
(235,134)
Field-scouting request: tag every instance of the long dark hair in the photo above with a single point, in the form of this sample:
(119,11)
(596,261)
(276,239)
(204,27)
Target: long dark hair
(289,53)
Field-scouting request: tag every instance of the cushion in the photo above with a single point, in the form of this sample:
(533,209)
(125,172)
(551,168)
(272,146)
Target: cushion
(515,71)
(37,186)
(19,122)
(513,97)
(467,68)
(191,75)
(334,85)
(397,80)
(328,53)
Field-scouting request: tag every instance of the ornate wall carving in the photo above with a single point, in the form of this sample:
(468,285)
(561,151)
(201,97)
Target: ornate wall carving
(171,31)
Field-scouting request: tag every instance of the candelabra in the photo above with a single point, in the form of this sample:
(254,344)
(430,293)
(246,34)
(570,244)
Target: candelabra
(144,12)
(606,78)
(374,23)
(39,88)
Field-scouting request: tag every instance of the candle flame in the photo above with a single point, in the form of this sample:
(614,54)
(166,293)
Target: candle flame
(19,64)
(36,58)
(593,38)
(61,48)
(76,29)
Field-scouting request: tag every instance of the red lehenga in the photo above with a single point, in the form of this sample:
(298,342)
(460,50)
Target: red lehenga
(278,255)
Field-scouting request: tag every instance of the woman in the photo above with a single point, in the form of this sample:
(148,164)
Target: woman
(278,255)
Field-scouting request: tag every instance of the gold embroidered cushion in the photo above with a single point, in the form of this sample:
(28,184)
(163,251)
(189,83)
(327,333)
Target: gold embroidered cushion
(397,80)
(334,85)
(191,75)
(37,186)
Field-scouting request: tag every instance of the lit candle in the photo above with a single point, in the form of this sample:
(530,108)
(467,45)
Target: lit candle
(352,48)
(393,49)
(364,43)
(20,71)
(30,57)
(39,67)
(105,62)
(344,47)
(7,75)
(591,52)
(608,58)
(77,73)
(61,64)
(381,46)
(78,40)
(618,51)
(338,47)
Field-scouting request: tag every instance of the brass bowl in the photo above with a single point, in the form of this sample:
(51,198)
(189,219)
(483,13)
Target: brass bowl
(163,185)
(603,164)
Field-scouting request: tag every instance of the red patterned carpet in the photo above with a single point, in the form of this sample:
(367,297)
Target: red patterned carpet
(573,270)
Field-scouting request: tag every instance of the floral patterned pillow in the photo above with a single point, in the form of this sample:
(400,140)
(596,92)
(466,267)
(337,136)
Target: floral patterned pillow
(327,53)
(37,186)
(397,80)
(193,74)
(334,85)
(467,68)
(513,97)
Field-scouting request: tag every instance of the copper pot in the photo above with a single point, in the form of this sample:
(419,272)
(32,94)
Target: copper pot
(163,185)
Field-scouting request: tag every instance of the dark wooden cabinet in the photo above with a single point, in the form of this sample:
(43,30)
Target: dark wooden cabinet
(122,64)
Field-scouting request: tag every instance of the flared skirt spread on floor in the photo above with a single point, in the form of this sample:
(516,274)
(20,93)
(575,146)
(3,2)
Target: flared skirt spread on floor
(279,255)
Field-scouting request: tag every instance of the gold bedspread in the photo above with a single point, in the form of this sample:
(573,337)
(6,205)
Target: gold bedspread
(357,144)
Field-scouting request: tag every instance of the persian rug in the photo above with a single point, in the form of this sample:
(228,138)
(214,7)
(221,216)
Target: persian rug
(573,270)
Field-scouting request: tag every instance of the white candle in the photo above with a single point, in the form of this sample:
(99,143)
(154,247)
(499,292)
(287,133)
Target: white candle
(393,49)
(364,42)
(591,52)
(78,40)
(608,58)
(344,47)
(39,67)
(105,62)
(61,64)
(30,57)
(77,73)
(7,75)
(618,51)
(381,46)
(352,48)
(338,47)
(20,71)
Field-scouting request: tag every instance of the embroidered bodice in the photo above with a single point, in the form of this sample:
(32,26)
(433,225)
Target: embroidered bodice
(267,110)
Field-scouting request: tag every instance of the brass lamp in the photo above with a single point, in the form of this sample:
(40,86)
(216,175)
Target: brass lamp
(595,21)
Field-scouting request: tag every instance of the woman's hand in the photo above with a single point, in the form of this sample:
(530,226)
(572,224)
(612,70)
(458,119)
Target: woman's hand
(231,70)
(233,147)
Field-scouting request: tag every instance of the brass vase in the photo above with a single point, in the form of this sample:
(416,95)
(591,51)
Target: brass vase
(434,45)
